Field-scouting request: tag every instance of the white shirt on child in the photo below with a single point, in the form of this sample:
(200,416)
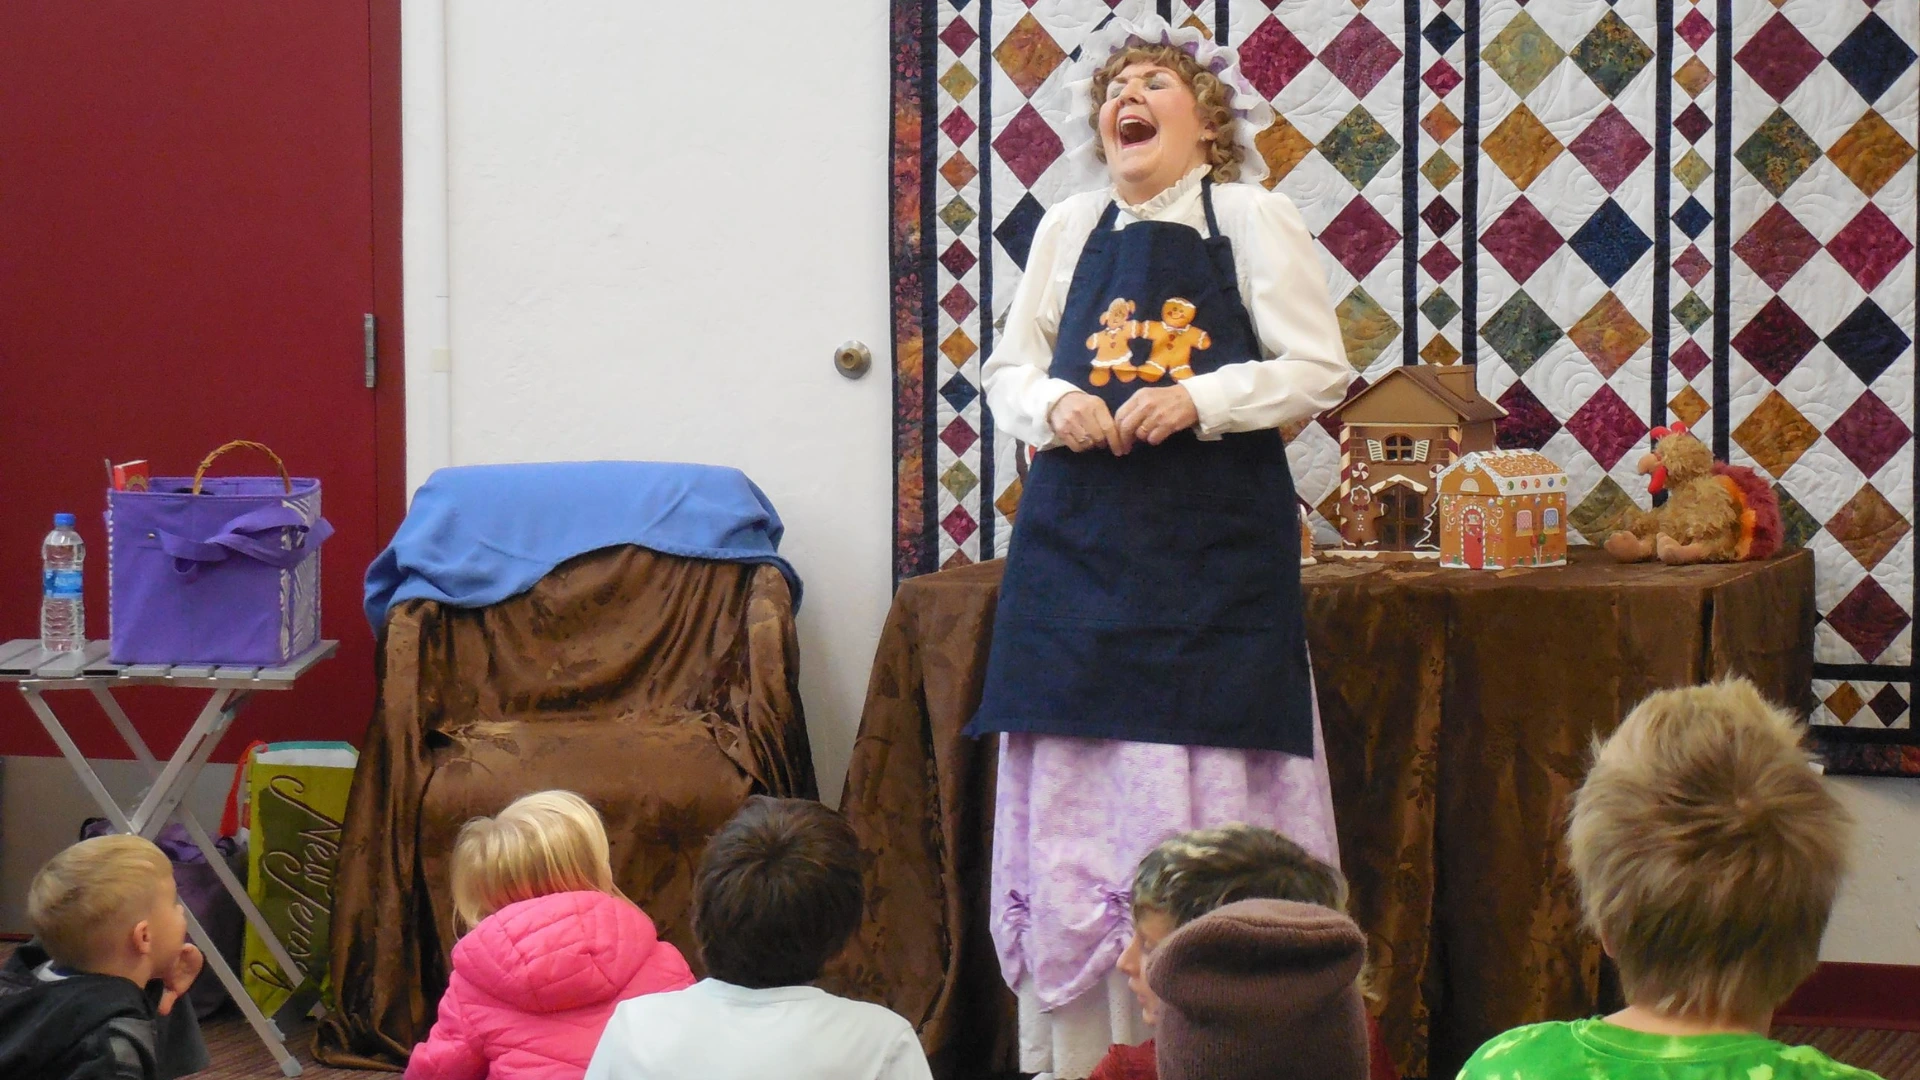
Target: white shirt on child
(717,1031)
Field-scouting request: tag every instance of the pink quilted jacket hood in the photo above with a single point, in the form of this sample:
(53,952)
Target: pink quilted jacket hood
(534,984)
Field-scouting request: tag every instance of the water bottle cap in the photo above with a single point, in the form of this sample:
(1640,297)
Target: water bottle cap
(63,521)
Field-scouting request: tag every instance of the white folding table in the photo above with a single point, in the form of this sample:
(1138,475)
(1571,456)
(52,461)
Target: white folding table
(231,688)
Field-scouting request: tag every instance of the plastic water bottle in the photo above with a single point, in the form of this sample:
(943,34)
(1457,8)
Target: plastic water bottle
(63,614)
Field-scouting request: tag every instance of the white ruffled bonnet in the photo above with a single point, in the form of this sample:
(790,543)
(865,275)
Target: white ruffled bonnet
(1083,171)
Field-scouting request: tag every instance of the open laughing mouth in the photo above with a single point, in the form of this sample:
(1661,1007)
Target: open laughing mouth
(1134,130)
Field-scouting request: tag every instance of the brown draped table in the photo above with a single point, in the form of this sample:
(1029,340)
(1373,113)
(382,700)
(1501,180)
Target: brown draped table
(1458,709)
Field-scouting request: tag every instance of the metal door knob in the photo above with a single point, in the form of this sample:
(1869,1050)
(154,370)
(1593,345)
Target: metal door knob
(853,359)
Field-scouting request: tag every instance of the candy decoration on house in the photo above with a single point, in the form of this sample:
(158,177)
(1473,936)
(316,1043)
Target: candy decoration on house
(1499,509)
(1395,437)
(1715,512)
(1306,534)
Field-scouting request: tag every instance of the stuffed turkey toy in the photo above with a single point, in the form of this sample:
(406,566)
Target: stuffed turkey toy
(1715,512)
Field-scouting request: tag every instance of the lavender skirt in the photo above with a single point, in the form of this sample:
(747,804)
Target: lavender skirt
(1073,818)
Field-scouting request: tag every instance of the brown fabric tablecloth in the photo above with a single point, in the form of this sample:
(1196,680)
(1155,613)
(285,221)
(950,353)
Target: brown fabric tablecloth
(663,689)
(1458,710)
(920,796)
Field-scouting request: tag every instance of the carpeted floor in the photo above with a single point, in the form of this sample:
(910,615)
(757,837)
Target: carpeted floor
(237,1053)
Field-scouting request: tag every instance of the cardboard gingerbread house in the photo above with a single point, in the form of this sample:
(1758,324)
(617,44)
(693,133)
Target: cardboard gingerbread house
(1502,508)
(1396,437)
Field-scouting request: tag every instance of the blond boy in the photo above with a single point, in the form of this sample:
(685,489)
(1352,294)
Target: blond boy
(1707,851)
(75,1001)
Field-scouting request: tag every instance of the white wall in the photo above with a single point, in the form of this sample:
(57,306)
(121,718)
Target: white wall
(663,220)
(1877,918)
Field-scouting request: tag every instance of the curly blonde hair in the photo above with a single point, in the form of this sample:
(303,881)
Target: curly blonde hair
(1214,97)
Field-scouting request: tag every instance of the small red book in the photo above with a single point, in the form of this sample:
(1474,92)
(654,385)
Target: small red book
(131,476)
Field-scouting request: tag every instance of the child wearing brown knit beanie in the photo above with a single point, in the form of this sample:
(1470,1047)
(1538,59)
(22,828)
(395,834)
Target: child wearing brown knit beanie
(1262,988)
(1195,873)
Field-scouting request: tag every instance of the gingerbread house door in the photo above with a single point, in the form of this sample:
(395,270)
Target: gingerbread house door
(1473,537)
(1400,522)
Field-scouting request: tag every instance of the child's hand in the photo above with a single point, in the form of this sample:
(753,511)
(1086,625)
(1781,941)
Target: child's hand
(186,968)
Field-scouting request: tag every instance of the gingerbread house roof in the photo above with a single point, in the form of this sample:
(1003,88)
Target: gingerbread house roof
(1454,388)
(1514,463)
(1510,465)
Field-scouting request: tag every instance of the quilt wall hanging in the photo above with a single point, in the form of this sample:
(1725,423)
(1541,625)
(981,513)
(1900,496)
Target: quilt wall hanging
(1625,214)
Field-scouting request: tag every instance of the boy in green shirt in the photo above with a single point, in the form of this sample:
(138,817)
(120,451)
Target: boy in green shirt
(1707,851)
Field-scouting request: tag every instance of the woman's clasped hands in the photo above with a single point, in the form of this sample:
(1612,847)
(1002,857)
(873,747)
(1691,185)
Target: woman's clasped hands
(1083,422)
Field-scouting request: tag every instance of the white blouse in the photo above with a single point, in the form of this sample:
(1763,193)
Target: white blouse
(1304,370)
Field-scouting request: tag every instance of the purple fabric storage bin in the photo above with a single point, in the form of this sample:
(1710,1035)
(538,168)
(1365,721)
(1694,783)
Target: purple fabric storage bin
(228,576)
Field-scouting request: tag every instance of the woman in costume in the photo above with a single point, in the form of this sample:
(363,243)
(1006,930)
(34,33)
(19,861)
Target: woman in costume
(1149,669)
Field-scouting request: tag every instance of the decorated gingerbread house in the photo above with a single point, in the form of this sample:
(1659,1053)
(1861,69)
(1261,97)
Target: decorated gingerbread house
(1502,508)
(1396,436)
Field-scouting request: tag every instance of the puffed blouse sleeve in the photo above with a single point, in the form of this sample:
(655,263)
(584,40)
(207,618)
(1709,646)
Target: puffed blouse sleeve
(1305,370)
(1019,390)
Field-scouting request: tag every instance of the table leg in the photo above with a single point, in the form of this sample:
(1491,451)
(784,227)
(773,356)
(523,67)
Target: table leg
(269,1034)
(195,749)
(111,706)
(81,767)
(118,716)
(295,974)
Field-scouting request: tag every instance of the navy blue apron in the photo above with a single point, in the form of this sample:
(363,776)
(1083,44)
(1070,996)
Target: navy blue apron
(1154,597)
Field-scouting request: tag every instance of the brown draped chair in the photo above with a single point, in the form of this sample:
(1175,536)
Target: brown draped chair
(663,689)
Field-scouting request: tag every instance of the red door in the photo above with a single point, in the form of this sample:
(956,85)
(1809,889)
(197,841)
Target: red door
(187,254)
(1473,537)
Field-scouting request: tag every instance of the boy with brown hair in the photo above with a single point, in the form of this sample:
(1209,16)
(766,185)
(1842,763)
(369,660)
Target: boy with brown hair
(75,1002)
(1708,852)
(778,894)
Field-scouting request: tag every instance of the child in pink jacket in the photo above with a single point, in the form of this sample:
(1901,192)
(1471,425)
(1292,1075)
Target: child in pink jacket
(552,949)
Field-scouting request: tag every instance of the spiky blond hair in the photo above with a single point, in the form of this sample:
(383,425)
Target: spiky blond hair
(1708,852)
(94,892)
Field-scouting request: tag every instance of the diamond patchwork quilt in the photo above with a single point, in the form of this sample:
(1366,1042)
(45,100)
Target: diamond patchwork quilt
(1625,214)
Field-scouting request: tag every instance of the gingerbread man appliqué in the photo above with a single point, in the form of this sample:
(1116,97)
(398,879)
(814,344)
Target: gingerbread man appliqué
(1112,346)
(1174,340)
